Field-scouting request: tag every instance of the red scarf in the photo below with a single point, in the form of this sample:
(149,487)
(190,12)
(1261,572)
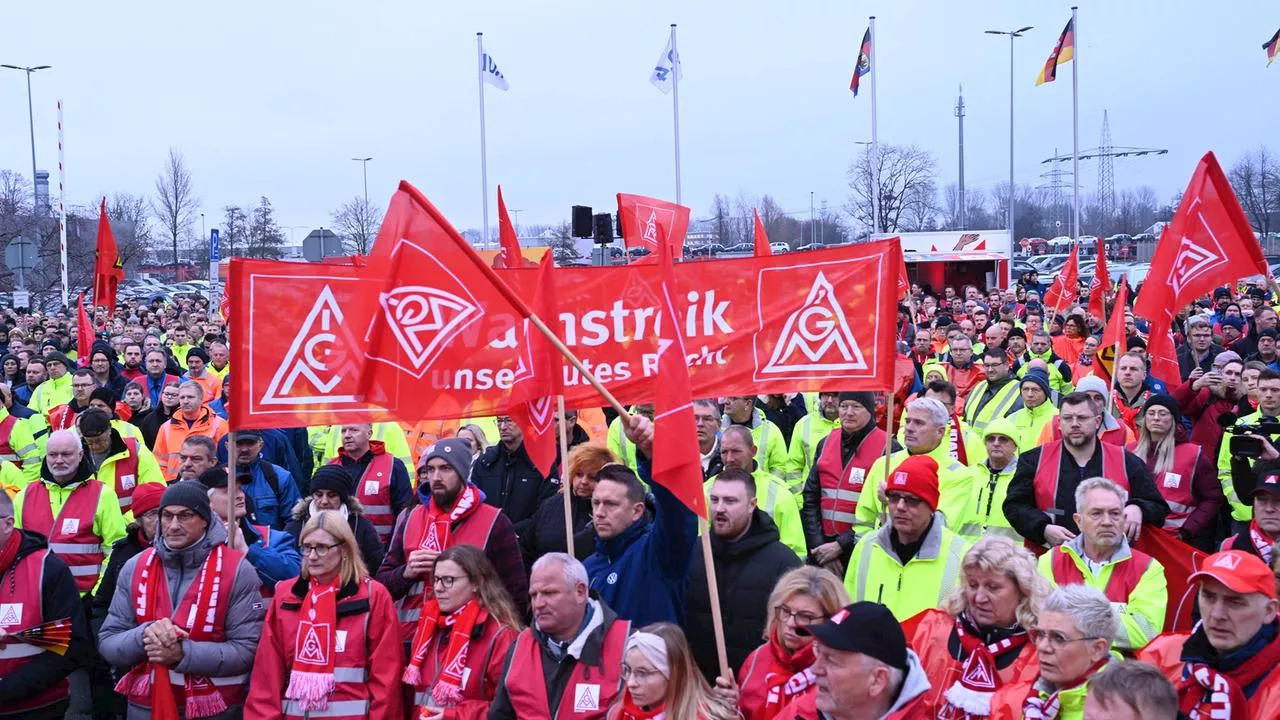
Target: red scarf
(152,603)
(788,676)
(631,711)
(957,441)
(1047,708)
(447,692)
(1261,541)
(969,697)
(439,521)
(311,679)
(1208,693)
(10,550)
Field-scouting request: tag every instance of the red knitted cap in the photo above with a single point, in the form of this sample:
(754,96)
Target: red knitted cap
(917,475)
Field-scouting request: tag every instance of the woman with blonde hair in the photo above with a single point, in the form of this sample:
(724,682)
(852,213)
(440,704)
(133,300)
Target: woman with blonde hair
(463,635)
(661,682)
(778,672)
(545,531)
(324,649)
(1186,476)
(473,435)
(982,633)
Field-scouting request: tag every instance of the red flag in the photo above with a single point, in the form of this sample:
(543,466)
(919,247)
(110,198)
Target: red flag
(904,283)
(509,256)
(84,332)
(762,240)
(1208,243)
(533,393)
(1101,284)
(643,217)
(677,463)
(1180,561)
(1065,287)
(1164,355)
(1114,334)
(108,269)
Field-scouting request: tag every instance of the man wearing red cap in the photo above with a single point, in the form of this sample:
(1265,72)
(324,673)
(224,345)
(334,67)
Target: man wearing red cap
(1227,668)
(913,562)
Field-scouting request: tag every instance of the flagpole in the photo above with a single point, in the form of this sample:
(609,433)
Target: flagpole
(888,448)
(230,510)
(875,136)
(675,104)
(565,486)
(62,211)
(484,158)
(1075,123)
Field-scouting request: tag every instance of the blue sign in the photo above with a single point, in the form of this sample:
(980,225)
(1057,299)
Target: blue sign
(213,245)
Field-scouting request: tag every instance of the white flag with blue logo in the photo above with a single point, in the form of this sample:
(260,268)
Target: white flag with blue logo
(668,65)
(490,72)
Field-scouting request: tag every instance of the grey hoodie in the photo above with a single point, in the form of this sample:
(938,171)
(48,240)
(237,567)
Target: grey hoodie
(120,639)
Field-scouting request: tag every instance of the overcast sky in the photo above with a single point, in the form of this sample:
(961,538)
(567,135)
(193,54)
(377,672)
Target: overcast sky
(274,97)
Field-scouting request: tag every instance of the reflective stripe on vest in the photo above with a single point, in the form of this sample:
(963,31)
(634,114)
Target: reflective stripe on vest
(7,451)
(351,695)
(22,595)
(72,529)
(340,708)
(1046,479)
(474,530)
(527,688)
(950,569)
(841,486)
(374,492)
(1004,399)
(126,474)
(1125,573)
(1176,484)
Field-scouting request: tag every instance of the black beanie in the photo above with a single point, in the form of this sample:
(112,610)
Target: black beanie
(199,352)
(1166,402)
(191,495)
(333,478)
(106,395)
(865,399)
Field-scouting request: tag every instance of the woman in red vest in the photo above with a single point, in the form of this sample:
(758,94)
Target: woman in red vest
(662,682)
(979,645)
(462,639)
(777,672)
(1185,475)
(328,644)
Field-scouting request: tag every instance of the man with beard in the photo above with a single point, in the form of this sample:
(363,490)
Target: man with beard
(737,452)
(1040,503)
(1040,347)
(450,511)
(1100,557)
(132,369)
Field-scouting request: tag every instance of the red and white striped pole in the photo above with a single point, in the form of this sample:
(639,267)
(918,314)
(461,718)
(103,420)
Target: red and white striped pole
(62,209)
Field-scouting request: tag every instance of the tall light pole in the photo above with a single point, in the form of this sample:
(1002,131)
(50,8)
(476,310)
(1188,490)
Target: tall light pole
(1012,194)
(813,229)
(31,120)
(364,166)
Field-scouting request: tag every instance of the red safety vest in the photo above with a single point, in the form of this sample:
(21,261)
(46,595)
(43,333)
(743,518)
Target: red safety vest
(126,470)
(473,530)
(21,600)
(71,535)
(232,688)
(7,452)
(1046,482)
(351,696)
(589,692)
(62,417)
(479,655)
(842,485)
(373,490)
(1125,575)
(1175,484)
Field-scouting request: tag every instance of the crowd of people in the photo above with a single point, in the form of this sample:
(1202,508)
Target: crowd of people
(973,554)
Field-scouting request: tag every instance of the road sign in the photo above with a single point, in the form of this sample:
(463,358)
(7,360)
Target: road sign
(21,299)
(22,257)
(213,245)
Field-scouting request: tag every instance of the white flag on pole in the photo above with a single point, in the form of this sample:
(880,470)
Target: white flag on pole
(490,72)
(668,63)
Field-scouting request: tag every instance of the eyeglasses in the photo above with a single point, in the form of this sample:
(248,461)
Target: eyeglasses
(911,501)
(505,421)
(182,518)
(802,619)
(319,550)
(641,674)
(150,515)
(447,581)
(1053,639)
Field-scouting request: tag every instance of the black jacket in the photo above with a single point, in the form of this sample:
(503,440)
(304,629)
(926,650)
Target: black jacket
(125,548)
(811,511)
(555,673)
(58,599)
(1030,521)
(786,416)
(511,483)
(544,532)
(1186,363)
(150,425)
(371,548)
(746,571)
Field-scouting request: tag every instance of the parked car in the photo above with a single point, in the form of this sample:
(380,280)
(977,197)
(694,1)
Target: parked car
(779,247)
(708,250)
(740,249)
(1049,263)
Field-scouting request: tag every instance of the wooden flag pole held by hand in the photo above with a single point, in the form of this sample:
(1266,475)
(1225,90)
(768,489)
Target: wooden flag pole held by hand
(565,487)
(231,485)
(713,588)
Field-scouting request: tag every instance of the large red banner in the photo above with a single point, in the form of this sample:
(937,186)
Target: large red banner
(794,322)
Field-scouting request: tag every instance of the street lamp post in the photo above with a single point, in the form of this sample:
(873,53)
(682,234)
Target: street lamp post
(364,167)
(1012,194)
(31,120)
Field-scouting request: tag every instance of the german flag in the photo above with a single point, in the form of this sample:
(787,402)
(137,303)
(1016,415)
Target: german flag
(1272,47)
(1063,52)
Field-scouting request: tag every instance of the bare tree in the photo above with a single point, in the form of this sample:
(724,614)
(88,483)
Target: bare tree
(900,179)
(130,214)
(235,229)
(563,247)
(175,203)
(265,236)
(13,194)
(721,218)
(357,221)
(1256,180)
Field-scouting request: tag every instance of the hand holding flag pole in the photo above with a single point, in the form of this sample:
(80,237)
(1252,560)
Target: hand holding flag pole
(564,482)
